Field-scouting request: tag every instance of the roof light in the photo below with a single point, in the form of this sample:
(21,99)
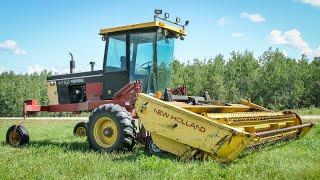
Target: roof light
(177,19)
(166,15)
(157,11)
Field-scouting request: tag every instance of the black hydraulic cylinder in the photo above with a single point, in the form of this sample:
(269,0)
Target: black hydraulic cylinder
(167,96)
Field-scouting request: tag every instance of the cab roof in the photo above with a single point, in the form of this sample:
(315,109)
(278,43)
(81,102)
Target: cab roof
(146,25)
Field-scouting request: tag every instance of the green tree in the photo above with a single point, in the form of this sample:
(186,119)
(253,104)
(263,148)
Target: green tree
(241,74)
(214,78)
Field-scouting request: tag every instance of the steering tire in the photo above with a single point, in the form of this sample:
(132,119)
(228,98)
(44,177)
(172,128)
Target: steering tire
(80,129)
(17,136)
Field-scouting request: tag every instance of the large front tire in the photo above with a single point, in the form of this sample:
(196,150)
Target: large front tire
(110,128)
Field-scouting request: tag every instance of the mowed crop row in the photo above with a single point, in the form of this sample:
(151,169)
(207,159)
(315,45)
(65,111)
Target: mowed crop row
(54,152)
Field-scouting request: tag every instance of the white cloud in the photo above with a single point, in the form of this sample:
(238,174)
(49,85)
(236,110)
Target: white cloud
(54,70)
(2,69)
(285,53)
(238,35)
(312,2)
(12,47)
(222,21)
(291,38)
(277,37)
(35,68)
(317,52)
(256,18)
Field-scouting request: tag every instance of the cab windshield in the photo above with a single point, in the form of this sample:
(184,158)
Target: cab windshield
(151,56)
(141,59)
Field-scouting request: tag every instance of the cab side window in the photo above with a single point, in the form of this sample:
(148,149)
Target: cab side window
(116,55)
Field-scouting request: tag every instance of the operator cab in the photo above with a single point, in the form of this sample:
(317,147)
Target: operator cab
(139,52)
(135,52)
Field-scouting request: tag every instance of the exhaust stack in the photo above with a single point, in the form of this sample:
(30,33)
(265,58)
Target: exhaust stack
(92,65)
(72,64)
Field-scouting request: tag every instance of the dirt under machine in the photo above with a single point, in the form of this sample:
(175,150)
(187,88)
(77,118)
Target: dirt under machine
(130,101)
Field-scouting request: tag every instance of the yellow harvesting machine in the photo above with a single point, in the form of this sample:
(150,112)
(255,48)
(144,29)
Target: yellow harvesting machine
(130,103)
(220,132)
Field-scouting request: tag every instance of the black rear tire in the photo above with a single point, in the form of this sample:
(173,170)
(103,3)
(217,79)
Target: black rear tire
(17,136)
(80,129)
(152,148)
(111,123)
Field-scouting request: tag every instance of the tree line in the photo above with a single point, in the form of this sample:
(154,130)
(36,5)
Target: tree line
(16,88)
(272,80)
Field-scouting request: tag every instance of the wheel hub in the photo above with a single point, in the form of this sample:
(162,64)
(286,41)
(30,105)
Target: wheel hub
(81,131)
(108,132)
(14,138)
(105,132)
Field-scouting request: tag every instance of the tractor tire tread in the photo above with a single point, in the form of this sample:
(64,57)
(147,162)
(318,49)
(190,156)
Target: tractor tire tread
(123,120)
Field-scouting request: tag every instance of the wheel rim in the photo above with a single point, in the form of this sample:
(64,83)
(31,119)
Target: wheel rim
(14,138)
(105,132)
(81,131)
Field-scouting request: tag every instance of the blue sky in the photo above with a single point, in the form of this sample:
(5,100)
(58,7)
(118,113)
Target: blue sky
(38,34)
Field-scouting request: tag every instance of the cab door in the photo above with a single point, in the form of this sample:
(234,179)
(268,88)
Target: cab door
(116,65)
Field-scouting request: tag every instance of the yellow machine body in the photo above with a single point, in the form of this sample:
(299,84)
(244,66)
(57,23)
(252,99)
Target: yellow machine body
(52,93)
(153,24)
(219,132)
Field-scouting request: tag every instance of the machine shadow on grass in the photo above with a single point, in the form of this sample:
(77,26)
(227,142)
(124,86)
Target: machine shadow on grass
(67,146)
(74,146)
(140,151)
(135,154)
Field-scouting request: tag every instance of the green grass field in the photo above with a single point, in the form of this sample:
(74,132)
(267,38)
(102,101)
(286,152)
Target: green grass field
(307,111)
(54,153)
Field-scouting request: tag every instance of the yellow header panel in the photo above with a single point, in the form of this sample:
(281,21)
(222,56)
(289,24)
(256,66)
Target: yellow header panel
(180,31)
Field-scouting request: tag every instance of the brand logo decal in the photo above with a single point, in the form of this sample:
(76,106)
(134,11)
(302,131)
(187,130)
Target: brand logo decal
(179,120)
(71,81)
